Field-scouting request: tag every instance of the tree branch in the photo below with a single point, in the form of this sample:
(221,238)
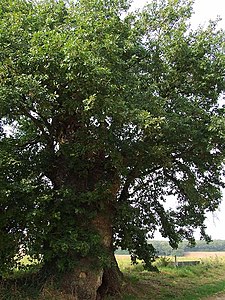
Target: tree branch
(124,195)
(38,123)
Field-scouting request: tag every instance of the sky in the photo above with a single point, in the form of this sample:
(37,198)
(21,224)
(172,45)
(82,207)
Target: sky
(204,10)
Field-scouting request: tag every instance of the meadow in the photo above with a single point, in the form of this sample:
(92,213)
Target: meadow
(178,283)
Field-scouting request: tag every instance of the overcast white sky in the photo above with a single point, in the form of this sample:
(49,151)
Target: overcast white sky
(203,11)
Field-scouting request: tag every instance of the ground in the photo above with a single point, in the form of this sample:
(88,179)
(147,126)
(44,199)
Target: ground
(218,296)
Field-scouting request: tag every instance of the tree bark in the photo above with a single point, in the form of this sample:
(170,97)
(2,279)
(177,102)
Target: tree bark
(88,283)
(111,277)
(111,281)
(90,280)
(83,283)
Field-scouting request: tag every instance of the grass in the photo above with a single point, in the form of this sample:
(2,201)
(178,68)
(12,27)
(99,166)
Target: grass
(183,283)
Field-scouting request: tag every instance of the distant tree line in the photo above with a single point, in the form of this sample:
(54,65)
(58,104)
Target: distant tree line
(163,247)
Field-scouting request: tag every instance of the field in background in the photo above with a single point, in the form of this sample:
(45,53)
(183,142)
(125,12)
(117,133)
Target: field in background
(124,260)
(204,254)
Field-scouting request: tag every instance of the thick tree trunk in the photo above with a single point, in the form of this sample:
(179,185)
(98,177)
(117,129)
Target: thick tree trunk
(111,277)
(88,283)
(111,281)
(83,283)
(90,280)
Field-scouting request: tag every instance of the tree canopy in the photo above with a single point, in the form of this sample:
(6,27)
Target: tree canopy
(105,114)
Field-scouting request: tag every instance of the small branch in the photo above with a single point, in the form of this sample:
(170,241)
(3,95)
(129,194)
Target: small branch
(30,143)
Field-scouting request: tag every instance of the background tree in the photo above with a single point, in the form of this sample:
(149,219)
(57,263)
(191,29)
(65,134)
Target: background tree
(104,114)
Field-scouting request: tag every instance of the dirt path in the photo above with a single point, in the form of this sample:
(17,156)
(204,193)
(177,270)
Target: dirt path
(218,296)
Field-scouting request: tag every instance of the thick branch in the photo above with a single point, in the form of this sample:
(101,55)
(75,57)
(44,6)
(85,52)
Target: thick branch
(176,182)
(36,122)
(134,173)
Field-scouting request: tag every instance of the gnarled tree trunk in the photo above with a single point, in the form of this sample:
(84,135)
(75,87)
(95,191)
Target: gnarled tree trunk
(90,281)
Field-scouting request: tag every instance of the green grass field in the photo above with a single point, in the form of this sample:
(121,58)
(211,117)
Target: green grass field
(180,283)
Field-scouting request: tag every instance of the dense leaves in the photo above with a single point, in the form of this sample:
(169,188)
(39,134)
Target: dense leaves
(106,112)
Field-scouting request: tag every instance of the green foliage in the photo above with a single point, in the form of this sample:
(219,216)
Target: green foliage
(106,112)
(163,261)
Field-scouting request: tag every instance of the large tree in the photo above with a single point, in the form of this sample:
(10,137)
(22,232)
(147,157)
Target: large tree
(105,115)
